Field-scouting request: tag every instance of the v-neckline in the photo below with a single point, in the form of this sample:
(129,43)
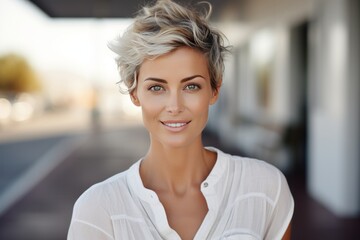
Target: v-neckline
(156,211)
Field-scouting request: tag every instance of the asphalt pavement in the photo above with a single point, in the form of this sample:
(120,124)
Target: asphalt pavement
(45,211)
(77,161)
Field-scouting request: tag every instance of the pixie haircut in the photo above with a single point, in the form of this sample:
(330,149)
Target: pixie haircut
(162,28)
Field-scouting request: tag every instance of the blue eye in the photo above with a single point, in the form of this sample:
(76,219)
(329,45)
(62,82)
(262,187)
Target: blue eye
(192,87)
(156,88)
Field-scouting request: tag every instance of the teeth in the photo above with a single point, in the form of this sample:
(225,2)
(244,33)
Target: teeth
(175,125)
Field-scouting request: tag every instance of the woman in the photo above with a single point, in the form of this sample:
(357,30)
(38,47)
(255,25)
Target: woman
(171,62)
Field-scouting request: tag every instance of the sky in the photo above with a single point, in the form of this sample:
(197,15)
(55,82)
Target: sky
(70,56)
(74,46)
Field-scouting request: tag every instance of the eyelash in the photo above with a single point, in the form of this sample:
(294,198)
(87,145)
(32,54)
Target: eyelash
(152,88)
(158,88)
(196,87)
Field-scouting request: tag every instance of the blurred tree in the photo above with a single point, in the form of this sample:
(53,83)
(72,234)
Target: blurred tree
(16,75)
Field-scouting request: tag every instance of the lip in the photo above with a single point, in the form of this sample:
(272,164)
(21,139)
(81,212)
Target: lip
(175,126)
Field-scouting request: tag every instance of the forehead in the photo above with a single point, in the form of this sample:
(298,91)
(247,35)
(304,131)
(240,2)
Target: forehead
(180,63)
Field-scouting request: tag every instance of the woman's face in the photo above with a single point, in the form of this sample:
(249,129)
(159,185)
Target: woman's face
(174,93)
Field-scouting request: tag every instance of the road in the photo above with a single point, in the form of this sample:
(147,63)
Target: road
(45,211)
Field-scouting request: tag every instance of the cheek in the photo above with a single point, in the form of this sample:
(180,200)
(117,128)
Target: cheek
(150,108)
(200,102)
(199,107)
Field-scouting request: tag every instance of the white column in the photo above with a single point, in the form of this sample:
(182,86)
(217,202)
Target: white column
(334,168)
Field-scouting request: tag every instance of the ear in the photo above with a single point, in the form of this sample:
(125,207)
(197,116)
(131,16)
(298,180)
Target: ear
(134,98)
(215,94)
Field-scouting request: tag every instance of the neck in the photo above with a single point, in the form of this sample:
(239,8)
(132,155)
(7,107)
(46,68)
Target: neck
(176,170)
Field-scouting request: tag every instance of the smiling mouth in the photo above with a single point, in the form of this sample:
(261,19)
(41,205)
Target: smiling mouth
(175,124)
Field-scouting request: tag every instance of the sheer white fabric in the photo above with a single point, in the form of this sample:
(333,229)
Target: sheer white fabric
(247,199)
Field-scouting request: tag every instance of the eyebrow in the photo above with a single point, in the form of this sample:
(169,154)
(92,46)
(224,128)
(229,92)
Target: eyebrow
(164,81)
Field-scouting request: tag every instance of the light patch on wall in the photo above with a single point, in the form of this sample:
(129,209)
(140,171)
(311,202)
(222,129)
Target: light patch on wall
(337,67)
(262,46)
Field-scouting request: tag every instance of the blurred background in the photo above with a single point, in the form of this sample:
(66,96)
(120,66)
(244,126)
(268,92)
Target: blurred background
(290,96)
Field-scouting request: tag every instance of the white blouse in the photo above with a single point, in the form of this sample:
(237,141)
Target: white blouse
(247,199)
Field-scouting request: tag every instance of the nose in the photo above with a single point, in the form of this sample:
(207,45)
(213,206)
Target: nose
(175,103)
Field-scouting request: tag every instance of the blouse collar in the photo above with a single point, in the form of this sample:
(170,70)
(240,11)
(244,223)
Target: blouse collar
(209,185)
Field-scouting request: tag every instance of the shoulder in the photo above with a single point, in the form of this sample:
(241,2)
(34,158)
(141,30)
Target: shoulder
(257,176)
(101,196)
(257,196)
(255,168)
(251,167)
(91,217)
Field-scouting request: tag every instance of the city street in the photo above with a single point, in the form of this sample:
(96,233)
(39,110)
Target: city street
(44,210)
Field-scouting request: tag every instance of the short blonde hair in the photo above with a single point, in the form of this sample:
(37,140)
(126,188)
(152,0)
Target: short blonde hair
(162,28)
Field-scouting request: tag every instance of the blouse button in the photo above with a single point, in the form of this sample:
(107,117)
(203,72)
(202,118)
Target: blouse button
(205,184)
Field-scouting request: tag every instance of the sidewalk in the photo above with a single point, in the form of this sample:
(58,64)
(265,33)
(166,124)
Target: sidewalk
(61,123)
